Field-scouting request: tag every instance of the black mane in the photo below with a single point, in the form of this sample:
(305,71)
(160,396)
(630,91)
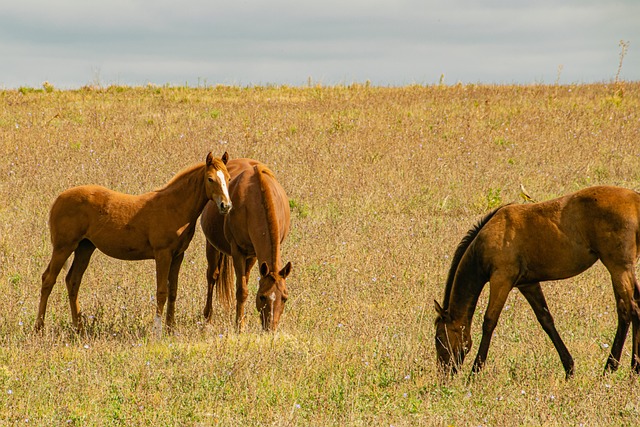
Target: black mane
(461,250)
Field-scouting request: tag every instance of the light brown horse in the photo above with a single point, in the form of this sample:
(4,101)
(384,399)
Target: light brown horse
(523,245)
(157,225)
(255,228)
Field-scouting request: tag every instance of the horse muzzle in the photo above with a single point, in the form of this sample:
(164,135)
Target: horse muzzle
(224,208)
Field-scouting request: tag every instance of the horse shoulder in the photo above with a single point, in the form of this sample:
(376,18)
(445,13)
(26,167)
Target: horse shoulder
(502,241)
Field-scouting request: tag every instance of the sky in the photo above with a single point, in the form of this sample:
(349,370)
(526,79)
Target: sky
(74,43)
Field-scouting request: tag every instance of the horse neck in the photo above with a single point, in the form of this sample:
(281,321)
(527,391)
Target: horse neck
(466,277)
(186,193)
(272,253)
(468,282)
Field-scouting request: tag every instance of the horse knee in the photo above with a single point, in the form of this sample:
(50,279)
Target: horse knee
(172,296)
(45,290)
(47,285)
(161,300)
(49,277)
(547,322)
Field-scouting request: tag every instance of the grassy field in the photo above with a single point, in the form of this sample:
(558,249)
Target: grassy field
(383,184)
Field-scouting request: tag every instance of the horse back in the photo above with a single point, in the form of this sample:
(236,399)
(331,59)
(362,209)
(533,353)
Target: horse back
(561,238)
(263,205)
(105,217)
(259,204)
(99,200)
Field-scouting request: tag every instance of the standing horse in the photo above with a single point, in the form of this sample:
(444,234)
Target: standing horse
(255,228)
(523,245)
(157,225)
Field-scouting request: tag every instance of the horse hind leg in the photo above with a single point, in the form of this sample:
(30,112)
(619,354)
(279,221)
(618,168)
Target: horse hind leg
(626,294)
(81,258)
(534,296)
(613,360)
(58,259)
(635,321)
(174,273)
(635,361)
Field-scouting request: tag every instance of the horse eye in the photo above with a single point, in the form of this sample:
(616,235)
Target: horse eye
(284,299)
(210,179)
(263,298)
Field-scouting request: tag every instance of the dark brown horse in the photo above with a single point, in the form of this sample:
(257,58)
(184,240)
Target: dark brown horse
(523,245)
(255,228)
(157,225)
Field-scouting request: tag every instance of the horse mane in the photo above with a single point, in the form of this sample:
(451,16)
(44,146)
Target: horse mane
(269,205)
(461,250)
(187,172)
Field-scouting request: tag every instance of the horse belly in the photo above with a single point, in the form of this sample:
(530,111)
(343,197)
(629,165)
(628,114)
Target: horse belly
(557,262)
(121,241)
(126,249)
(125,254)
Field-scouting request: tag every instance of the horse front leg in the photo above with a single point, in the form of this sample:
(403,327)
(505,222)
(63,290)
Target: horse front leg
(242,268)
(242,292)
(499,290)
(213,272)
(535,298)
(174,271)
(163,266)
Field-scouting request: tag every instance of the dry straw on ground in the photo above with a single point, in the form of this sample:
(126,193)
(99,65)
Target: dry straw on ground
(383,184)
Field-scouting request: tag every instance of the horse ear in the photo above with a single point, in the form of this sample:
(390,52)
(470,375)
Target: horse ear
(209,158)
(441,312)
(286,270)
(264,269)
(225,157)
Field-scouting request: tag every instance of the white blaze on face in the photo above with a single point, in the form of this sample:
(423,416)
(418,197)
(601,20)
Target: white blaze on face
(223,184)
(272,297)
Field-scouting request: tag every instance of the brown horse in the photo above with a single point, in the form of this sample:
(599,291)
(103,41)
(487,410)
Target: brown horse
(157,225)
(523,245)
(255,228)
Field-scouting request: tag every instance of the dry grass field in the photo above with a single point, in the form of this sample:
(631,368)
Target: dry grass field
(383,184)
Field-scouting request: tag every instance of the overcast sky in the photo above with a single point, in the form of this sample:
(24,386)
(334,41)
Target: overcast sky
(72,43)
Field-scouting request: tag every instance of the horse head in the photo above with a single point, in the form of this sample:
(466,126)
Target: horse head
(453,341)
(272,294)
(217,180)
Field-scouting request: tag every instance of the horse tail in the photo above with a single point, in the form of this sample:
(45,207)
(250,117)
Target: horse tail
(461,250)
(225,285)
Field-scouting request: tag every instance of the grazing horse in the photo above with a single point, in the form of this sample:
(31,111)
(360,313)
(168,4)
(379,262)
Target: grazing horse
(255,228)
(522,245)
(157,225)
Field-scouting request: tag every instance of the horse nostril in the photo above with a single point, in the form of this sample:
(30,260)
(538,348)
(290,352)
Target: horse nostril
(224,207)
